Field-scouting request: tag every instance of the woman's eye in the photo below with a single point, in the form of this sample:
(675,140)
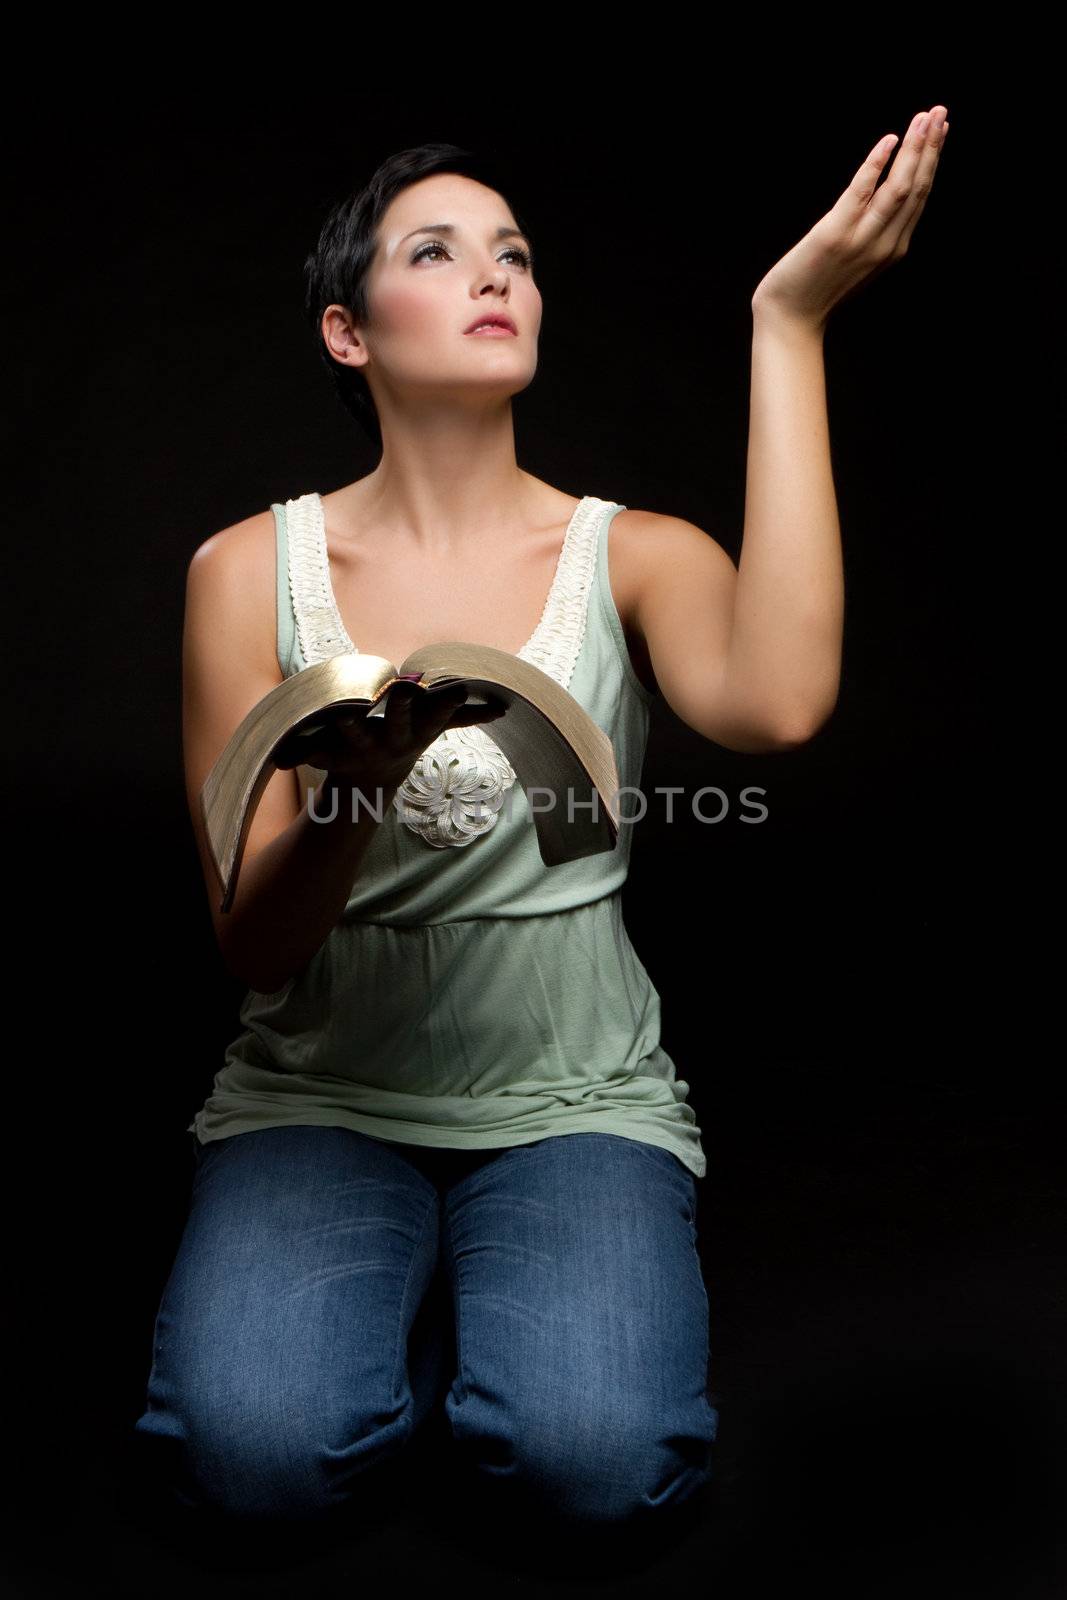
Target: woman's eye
(426,251)
(435,248)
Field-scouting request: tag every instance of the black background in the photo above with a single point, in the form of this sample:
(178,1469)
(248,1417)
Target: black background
(846,988)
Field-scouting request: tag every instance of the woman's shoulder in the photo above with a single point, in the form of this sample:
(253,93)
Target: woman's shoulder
(233,572)
(642,545)
(637,538)
(237,543)
(642,542)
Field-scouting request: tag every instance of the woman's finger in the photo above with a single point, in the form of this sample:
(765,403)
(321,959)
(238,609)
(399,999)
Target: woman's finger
(935,139)
(467,716)
(896,204)
(399,709)
(432,703)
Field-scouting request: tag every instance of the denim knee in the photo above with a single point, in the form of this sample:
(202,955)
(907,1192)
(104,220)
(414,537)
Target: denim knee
(282,1462)
(614,1467)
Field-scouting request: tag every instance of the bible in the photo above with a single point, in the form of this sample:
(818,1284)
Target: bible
(551,741)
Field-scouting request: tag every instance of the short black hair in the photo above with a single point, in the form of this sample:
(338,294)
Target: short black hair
(335,272)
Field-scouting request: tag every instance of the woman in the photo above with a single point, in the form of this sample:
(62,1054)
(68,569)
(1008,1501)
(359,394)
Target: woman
(450,1071)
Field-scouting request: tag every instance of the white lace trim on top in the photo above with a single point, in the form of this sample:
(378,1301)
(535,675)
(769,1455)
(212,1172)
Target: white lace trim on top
(319,628)
(454,792)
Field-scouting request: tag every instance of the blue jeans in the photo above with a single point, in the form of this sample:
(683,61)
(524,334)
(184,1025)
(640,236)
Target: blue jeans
(288,1359)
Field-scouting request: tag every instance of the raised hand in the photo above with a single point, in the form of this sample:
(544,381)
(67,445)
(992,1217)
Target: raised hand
(869,227)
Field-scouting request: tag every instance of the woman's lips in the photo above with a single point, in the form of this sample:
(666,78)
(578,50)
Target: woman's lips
(494,330)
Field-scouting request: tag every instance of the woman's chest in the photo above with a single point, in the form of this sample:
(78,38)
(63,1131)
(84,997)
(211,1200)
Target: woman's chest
(533,591)
(391,608)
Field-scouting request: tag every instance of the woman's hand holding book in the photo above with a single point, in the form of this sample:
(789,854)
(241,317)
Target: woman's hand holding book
(379,751)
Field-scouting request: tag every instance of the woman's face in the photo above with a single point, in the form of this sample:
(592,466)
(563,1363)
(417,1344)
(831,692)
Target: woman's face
(441,263)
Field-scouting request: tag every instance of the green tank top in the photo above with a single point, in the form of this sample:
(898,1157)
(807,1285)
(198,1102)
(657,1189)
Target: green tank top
(469,996)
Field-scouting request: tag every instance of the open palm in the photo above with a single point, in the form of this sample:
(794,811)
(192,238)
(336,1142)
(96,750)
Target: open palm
(869,227)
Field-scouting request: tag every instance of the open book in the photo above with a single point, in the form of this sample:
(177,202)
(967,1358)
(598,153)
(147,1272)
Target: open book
(550,740)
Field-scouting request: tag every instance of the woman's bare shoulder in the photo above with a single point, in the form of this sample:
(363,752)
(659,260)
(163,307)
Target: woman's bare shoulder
(239,542)
(232,580)
(631,542)
(642,542)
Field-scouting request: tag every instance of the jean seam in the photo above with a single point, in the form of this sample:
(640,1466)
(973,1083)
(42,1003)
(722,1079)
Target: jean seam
(674,1164)
(401,1353)
(647,1148)
(457,1298)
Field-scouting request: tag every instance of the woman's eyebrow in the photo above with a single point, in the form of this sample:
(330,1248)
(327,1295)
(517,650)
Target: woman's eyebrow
(447,227)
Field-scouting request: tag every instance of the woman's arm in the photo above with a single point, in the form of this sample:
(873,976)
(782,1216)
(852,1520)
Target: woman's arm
(296,873)
(292,890)
(751,656)
(300,861)
(783,663)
